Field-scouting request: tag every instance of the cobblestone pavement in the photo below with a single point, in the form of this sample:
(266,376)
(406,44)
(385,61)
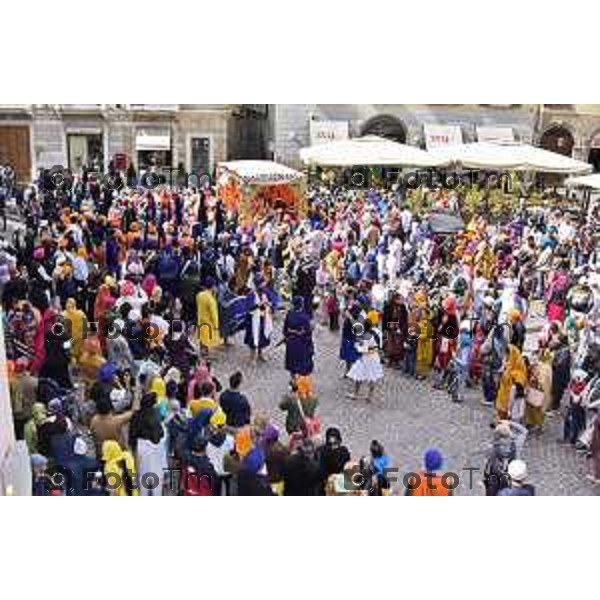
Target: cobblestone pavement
(408,417)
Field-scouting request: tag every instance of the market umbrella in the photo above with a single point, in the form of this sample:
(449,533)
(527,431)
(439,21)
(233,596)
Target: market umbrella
(370,150)
(509,156)
(589,181)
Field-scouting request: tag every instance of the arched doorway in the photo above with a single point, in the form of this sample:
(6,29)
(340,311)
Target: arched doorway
(386,126)
(558,139)
(594,155)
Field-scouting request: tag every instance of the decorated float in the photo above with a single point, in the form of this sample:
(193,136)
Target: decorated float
(254,188)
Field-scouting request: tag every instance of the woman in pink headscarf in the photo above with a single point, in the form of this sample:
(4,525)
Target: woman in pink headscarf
(202,375)
(149,284)
(39,341)
(131,294)
(557,296)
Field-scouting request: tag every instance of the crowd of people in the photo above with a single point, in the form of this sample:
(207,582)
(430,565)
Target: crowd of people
(118,302)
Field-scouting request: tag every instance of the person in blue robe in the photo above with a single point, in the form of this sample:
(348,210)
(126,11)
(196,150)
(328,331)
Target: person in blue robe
(348,352)
(299,347)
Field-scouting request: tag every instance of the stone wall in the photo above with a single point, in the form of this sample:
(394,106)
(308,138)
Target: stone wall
(121,138)
(195,123)
(290,123)
(50,129)
(583,128)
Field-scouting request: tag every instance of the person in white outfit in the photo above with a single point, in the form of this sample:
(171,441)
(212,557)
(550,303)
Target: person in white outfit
(367,369)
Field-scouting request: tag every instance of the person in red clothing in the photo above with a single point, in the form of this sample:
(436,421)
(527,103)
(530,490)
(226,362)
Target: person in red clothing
(446,341)
(332,306)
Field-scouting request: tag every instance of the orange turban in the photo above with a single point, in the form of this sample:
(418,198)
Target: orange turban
(243,442)
(305,386)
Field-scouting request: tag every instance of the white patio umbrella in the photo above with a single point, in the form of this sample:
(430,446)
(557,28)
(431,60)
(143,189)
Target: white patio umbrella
(367,151)
(510,157)
(589,181)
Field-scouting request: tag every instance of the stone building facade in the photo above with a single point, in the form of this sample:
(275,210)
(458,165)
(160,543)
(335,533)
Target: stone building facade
(290,124)
(571,129)
(194,136)
(198,136)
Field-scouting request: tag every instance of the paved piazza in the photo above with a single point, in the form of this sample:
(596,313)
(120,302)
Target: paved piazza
(408,417)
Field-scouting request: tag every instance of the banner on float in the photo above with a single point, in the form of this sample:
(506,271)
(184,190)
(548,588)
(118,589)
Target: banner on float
(325,132)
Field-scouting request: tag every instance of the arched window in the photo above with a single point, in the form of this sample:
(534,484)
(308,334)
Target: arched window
(386,126)
(558,139)
(594,155)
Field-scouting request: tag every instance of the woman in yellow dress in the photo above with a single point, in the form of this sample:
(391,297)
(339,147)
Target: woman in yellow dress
(514,373)
(119,470)
(484,259)
(544,368)
(534,408)
(76,320)
(208,318)
(422,317)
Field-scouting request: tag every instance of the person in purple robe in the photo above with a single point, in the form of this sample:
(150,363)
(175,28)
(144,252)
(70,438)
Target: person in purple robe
(112,254)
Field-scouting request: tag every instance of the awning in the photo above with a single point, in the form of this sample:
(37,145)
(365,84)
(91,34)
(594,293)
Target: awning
(84,130)
(495,134)
(145,142)
(439,136)
(589,181)
(259,172)
(510,157)
(366,151)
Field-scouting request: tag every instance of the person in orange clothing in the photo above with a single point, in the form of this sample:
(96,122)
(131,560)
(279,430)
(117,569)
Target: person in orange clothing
(90,360)
(429,482)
